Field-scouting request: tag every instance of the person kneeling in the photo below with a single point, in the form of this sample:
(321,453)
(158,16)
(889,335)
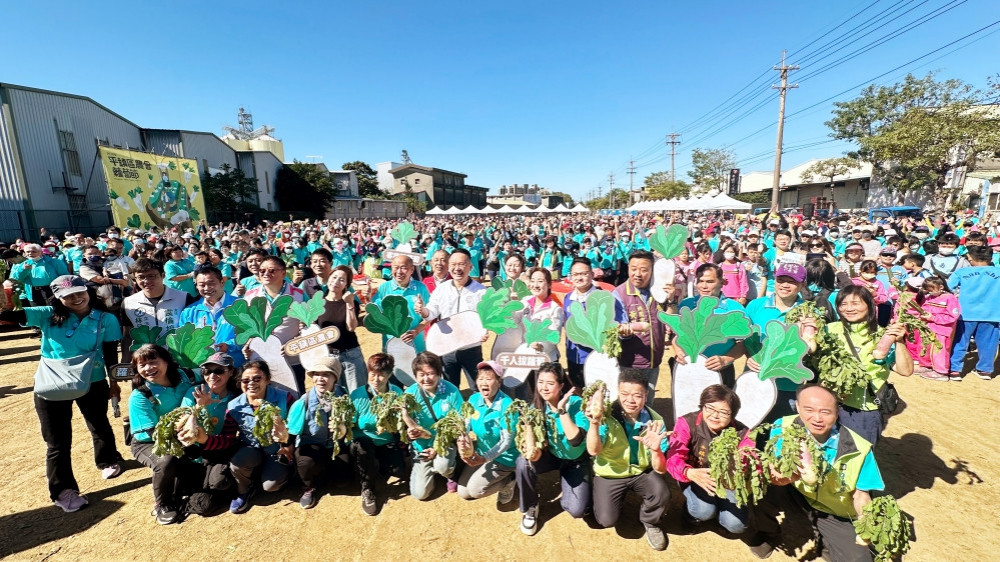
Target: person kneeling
(628,449)
(309,422)
(489,468)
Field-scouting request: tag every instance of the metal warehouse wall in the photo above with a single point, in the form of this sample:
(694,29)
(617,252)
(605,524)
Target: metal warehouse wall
(207,148)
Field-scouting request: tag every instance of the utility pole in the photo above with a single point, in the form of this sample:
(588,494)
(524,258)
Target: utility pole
(611,191)
(631,176)
(782,90)
(673,142)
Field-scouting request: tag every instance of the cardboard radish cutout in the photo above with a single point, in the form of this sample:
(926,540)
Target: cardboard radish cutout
(307,313)
(254,327)
(507,341)
(669,242)
(779,355)
(191,346)
(590,327)
(534,332)
(141,335)
(393,319)
(402,234)
(696,330)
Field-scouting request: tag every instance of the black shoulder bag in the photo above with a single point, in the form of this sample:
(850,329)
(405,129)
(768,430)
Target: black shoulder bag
(885,398)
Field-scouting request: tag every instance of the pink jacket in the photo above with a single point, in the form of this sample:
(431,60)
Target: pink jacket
(736,286)
(944,311)
(878,289)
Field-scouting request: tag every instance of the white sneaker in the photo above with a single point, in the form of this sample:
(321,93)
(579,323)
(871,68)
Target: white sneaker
(112,471)
(70,501)
(506,494)
(529,521)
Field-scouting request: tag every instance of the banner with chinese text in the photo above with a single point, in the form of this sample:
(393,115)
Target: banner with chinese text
(149,190)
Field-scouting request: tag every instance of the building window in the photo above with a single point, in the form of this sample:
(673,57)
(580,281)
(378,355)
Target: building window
(77,202)
(267,182)
(416,181)
(268,206)
(67,144)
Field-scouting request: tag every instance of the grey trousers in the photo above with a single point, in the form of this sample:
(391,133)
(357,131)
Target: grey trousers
(484,480)
(273,475)
(422,474)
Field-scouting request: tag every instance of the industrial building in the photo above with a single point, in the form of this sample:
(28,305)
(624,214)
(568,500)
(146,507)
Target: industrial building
(433,186)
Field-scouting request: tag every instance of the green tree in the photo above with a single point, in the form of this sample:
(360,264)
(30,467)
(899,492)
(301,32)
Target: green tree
(305,188)
(658,185)
(367,180)
(917,131)
(229,192)
(710,168)
(615,199)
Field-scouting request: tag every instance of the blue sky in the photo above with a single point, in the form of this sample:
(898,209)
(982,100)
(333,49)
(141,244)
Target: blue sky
(555,93)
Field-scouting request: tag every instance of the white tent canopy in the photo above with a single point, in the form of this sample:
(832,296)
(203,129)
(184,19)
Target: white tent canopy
(724,202)
(579,209)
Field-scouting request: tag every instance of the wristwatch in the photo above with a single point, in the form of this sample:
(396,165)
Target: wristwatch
(561,411)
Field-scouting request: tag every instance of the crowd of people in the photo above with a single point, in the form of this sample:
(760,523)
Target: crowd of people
(84,296)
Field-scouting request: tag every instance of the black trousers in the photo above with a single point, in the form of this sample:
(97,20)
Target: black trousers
(609,496)
(173,477)
(371,459)
(311,461)
(462,360)
(56,419)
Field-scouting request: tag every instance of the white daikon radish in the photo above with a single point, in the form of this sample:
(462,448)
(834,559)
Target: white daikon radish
(757,398)
(688,382)
(664,272)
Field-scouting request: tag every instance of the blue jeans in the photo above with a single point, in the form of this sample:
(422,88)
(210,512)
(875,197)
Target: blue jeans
(355,370)
(704,506)
(986,334)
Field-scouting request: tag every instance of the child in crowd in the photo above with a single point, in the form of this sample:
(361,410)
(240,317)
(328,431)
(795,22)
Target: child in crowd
(866,278)
(756,268)
(940,310)
(946,261)
(914,266)
(978,286)
(736,285)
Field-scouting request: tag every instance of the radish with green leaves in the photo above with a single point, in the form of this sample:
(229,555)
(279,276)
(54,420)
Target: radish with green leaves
(391,317)
(669,243)
(779,353)
(736,469)
(535,332)
(589,327)
(165,435)
(254,326)
(393,413)
(884,526)
(697,329)
(453,425)
(340,415)
(795,451)
(595,400)
(308,313)
(528,425)
(268,426)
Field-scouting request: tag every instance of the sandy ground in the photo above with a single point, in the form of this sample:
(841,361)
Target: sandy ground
(937,457)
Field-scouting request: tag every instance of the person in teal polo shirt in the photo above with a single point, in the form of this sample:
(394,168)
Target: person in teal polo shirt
(437,397)
(158,388)
(565,449)
(490,468)
(628,449)
(846,489)
(721,356)
(178,272)
(373,452)
(309,422)
(415,293)
(789,279)
(75,325)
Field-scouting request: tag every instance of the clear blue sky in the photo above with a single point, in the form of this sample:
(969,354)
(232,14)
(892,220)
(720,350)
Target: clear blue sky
(555,93)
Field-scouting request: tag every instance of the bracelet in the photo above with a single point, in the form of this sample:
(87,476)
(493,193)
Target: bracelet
(685,473)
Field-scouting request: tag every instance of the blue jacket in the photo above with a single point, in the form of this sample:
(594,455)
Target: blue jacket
(201,315)
(242,413)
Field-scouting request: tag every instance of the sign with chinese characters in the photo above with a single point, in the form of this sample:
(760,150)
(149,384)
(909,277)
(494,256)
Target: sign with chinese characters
(418,259)
(326,335)
(521,360)
(149,190)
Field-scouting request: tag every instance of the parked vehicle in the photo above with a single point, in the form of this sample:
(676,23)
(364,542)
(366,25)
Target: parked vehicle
(880,213)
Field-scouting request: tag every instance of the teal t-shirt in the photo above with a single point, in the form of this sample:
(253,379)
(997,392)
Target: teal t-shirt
(558,444)
(364,420)
(76,336)
(445,399)
(490,426)
(174,268)
(144,414)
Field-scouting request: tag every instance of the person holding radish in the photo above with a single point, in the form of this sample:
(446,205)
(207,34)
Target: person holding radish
(565,449)
(857,331)
(309,421)
(834,499)
(540,306)
(687,458)
(721,356)
(628,445)
(436,397)
(207,311)
(155,304)
(936,306)
(274,284)
(262,439)
(342,309)
(372,450)
(416,295)
(643,335)
(489,459)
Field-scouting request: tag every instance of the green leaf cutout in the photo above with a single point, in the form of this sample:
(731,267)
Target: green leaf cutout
(403,233)
(392,319)
(191,346)
(307,312)
(496,310)
(142,335)
(586,326)
(540,332)
(279,310)
(520,288)
(247,318)
(669,241)
(699,328)
(781,354)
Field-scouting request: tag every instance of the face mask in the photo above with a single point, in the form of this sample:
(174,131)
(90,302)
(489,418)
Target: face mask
(289,250)
(946,251)
(920,235)
(112,235)
(159,246)
(729,255)
(868,276)
(94,259)
(914,247)
(834,235)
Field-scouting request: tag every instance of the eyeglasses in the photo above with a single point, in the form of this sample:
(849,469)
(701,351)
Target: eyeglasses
(270,271)
(816,246)
(710,411)
(217,372)
(249,380)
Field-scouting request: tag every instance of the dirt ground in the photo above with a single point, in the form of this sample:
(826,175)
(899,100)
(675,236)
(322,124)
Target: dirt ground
(937,457)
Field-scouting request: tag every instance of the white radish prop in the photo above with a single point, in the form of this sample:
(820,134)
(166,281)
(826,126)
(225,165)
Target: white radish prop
(779,352)
(392,318)
(587,327)
(669,243)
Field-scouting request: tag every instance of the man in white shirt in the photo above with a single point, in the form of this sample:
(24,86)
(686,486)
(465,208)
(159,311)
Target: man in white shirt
(154,305)
(459,294)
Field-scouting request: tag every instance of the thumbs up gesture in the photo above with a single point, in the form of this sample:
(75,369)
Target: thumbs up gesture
(418,306)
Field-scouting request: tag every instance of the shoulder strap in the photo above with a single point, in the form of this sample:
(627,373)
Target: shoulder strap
(870,386)
(427,403)
(850,342)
